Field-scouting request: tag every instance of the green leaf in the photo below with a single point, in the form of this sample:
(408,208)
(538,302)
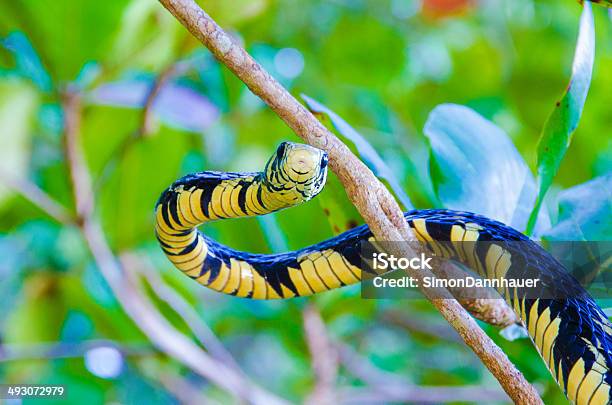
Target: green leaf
(558,130)
(476,167)
(584,212)
(366,151)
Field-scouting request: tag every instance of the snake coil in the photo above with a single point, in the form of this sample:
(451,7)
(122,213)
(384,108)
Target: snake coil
(573,335)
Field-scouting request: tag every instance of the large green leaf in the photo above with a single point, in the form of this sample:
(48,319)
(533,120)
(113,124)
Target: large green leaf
(475,166)
(584,212)
(558,130)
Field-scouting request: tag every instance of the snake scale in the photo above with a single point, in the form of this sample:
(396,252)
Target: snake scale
(572,335)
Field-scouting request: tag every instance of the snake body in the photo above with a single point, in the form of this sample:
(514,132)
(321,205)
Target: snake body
(572,335)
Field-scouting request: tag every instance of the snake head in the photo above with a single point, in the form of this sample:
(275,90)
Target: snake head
(296,173)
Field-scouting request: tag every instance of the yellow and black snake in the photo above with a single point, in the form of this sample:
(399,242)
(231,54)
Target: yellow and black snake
(573,335)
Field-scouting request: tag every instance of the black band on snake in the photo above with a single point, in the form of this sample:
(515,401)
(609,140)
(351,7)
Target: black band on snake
(573,335)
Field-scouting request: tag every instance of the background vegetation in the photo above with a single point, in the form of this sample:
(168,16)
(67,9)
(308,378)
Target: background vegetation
(157,106)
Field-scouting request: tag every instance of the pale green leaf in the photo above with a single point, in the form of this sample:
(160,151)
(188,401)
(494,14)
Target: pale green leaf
(366,151)
(475,166)
(558,130)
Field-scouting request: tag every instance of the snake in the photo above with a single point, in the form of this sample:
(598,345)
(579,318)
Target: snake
(572,334)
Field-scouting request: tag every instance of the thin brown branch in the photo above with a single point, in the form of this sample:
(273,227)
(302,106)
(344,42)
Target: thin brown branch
(38,197)
(323,355)
(136,304)
(373,201)
(146,123)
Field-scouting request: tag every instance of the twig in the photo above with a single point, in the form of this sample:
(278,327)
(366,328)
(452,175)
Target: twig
(146,122)
(323,355)
(59,350)
(199,328)
(140,309)
(144,129)
(373,201)
(37,197)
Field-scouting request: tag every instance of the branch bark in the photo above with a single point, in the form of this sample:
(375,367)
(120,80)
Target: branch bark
(373,201)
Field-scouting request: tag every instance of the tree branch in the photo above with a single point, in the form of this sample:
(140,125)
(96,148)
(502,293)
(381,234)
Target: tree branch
(373,201)
(146,123)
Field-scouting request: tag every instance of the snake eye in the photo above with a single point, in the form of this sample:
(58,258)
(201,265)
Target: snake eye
(281,150)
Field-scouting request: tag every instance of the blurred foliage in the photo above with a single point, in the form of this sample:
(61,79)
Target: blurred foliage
(383,66)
